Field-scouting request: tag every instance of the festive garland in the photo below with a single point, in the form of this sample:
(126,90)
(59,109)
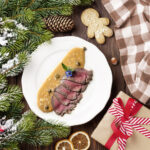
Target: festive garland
(22,29)
(16,128)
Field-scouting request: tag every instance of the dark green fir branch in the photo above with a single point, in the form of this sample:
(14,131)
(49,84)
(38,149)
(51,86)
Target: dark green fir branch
(33,131)
(10,94)
(14,66)
(3,82)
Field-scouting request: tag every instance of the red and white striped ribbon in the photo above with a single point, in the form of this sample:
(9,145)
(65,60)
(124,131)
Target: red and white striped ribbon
(126,121)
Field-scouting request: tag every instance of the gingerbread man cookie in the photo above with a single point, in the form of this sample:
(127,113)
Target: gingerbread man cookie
(97,27)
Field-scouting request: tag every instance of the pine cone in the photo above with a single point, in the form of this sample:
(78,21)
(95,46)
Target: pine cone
(59,23)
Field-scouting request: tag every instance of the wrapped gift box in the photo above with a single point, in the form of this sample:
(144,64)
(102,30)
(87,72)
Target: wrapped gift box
(136,142)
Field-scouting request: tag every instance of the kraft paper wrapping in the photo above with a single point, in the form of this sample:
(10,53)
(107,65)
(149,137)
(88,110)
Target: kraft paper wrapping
(136,142)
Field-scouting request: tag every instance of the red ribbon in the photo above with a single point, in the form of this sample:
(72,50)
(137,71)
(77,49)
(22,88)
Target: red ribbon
(125,121)
(1,130)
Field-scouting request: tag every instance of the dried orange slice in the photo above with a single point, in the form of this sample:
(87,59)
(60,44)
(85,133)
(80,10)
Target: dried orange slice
(64,145)
(80,140)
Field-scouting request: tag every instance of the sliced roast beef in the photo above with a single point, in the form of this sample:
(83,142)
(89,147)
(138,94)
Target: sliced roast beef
(80,76)
(89,74)
(59,108)
(71,95)
(69,92)
(77,100)
(81,70)
(72,105)
(61,98)
(68,109)
(73,86)
(77,78)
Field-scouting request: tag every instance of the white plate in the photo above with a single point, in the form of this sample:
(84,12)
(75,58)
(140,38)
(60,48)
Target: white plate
(46,58)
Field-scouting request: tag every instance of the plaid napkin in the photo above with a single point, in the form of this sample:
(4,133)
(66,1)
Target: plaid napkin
(132,32)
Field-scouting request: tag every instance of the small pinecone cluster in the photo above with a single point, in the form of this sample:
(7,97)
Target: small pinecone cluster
(59,23)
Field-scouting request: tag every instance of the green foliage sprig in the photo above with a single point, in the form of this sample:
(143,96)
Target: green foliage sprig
(66,68)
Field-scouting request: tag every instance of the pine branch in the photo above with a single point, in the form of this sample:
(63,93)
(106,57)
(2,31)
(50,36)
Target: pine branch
(15,47)
(57,10)
(27,122)
(26,15)
(4,105)
(18,131)
(4,55)
(86,2)
(3,82)
(32,131)
(56,129)
(44,132)
(14,111)
(30,4)
(11,94)
(10,99)
(12,146)
(14,66)
(53,3)
(3,7)
(24,3)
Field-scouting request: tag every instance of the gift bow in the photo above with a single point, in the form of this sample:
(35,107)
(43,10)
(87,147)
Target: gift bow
(125,122)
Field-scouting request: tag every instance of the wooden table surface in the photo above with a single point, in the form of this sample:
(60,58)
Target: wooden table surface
(109,49)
